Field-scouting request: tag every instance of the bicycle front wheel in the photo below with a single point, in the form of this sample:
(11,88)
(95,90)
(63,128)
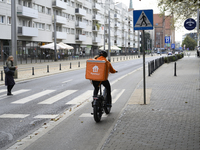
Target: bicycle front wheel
(97,112)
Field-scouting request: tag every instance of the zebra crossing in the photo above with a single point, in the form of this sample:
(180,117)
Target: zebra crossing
(81,98)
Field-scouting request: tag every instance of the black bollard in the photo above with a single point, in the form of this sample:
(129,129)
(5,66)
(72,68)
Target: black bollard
(113,59)
(70,65)
(32,70)
(1,75)
(117,58)
(149,69)
(47,68)
(60,66)
(175,69)
(79,64)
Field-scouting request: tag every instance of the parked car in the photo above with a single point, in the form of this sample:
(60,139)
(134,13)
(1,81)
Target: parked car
(176,53)
(169,53)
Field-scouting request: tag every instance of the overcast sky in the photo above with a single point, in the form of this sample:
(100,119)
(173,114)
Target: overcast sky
(152,4)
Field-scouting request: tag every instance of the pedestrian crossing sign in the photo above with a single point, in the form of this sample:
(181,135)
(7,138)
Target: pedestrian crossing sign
(143,19)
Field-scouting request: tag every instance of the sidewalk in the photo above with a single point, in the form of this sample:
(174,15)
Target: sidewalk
(171,120)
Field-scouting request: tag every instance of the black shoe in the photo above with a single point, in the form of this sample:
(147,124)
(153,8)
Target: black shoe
(9,94)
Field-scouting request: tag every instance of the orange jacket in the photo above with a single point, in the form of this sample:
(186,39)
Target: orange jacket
(109,66)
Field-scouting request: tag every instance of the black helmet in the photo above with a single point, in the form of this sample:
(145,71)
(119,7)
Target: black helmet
(103,53)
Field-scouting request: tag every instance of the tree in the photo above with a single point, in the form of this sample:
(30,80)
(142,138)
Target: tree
(180,9)
(189,43)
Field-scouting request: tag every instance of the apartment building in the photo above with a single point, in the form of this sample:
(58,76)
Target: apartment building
(79,23)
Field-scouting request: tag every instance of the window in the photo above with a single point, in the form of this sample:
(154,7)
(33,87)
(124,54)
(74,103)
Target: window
(72,31)
(9,20)
(72,17)
(41,9)
(2,19)
(72,4)
(20,22)
(48,27)
(48,11)
(9,1)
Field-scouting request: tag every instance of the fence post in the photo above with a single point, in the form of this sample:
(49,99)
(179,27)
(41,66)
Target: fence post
(60,66)
(32,70)
(149,68)
(175,69)
(79,64)
(70,65)
(1,75)
(47,68)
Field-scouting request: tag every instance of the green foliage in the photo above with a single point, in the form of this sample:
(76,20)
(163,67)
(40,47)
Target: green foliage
(173,58)
(180,9)
(189,43)
(98,26)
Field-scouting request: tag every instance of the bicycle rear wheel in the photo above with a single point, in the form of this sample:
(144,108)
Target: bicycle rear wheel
(107,106)
(97,112)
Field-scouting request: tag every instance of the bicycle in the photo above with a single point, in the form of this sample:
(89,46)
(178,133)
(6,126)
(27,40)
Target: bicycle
(100,105)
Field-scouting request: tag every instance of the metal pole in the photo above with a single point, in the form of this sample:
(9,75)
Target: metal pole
(14,34)
(109,35)
(144,67)
(139,44)
(104,32)
(55,50)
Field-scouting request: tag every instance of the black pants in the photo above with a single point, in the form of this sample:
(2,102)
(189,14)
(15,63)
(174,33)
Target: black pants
(9,88)
(106,84)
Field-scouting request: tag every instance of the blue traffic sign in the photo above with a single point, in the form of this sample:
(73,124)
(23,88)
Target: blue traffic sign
(180,48)
(143,19)
(167,39)
(190,24)
(173,46)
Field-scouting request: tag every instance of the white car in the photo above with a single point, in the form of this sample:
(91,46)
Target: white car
(176,53)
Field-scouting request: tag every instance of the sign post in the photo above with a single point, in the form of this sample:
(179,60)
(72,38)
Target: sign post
(143,20)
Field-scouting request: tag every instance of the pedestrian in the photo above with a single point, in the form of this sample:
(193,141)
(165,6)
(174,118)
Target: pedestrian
(9,80)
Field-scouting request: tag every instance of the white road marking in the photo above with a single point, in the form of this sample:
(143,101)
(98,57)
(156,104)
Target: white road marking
(14,115)
(89,115)
(57,97)
(16,92)
(46,116)
(79,99)
(67,81)
(3,90)
(116,94)
(32,97)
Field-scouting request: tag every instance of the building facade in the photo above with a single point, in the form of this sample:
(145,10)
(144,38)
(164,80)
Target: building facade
(79,23)
(163,27)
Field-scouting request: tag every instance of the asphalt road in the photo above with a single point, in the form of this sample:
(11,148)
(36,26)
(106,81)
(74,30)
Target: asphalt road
(38,101)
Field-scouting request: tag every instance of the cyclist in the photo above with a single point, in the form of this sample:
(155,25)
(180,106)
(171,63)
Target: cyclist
(106,84)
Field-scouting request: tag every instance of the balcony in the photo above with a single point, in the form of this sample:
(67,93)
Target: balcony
(96,17)
(117,42)
(96,6)
(80,37)
(60,20)
(80,24)
(60,35)
(117,25)
(80,11)
(107,21)
(27,31)
(59,4)
(96,40)
(117,33)
(94,29)
(27,12)
(116,16)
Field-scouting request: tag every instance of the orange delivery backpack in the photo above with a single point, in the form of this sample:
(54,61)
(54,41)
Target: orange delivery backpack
(96,70)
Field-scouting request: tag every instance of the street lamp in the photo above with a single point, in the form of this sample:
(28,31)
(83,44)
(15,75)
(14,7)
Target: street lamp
(14,34)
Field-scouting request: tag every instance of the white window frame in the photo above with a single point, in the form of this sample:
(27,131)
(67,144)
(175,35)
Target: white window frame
(48,27)
(2,18)
(8,20)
